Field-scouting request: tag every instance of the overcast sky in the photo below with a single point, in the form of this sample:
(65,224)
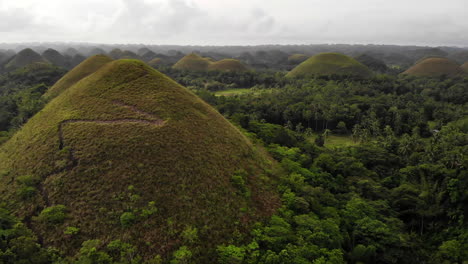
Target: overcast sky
(236,22)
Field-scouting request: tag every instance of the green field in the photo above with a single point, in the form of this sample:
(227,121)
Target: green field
(336,140)
(232,92)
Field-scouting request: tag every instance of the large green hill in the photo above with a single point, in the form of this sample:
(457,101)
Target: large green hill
(434,67)
(55,58)
(326,64)
(84,69)
(23,58)
(126,153)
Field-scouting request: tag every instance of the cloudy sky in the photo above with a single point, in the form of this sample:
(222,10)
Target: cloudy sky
(236,22)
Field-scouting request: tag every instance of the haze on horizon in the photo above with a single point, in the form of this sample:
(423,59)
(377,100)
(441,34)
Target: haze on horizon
(240,22)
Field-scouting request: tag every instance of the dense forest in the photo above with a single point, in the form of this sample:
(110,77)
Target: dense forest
(373,170)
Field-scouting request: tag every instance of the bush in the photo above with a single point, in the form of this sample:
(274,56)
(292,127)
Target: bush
(71,230)
(127,219)
(26,192)
(53,214)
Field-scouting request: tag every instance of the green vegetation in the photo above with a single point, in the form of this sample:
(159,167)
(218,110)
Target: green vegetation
(87,67)
(232,92)
(435,67)
(129,125)
(155,62)
(330,64)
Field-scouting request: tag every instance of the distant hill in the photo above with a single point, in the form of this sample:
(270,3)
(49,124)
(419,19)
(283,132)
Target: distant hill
(326,64)
(193,62)
(148,56)
(297,58)
(55,58)
(435,67)
(126,153)
(77,59)
(155,62)
(372,63)
(87,67)
(116,54)
(227,65)
(23,58)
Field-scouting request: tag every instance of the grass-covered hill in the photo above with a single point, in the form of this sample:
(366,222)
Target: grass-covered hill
(55,58)
(434,67)
(81,71)
(325,64)
(297,58)
(372,63)
(22,59)
(228,65)
(128,154)
(193,62)
(465,67)
(155,62)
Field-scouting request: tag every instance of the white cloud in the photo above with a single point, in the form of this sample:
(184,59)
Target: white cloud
(236,22)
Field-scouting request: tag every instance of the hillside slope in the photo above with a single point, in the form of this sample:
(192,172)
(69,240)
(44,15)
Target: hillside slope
(434,67)
(129,154)
(325,64)
(465,67)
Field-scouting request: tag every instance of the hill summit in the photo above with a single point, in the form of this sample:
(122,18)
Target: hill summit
(128,154)
(85,68)
(330,64)
(435,67)
(227,65)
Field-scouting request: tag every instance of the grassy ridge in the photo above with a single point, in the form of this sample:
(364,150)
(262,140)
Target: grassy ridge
(105,169)
(330,64)
(434,67)
(84,69)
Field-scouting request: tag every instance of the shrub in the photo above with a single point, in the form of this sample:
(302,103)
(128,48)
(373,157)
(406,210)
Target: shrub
(127,219)
(71,230)
(53,215)
(26,192)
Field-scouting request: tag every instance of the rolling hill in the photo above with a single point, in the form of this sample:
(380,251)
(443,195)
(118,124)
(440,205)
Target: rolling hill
(155,62)
(326,64)
(193,62)
(23,58)
(297,58)
(435,67)
(81,71)
(227,65)
(126,153)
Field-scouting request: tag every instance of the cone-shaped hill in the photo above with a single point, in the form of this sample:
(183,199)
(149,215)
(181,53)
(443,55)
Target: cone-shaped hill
(23,58)
(126,153)
(330,64)
(193,62)
(87,67)
(55,58)
(227,65)
(435,67)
